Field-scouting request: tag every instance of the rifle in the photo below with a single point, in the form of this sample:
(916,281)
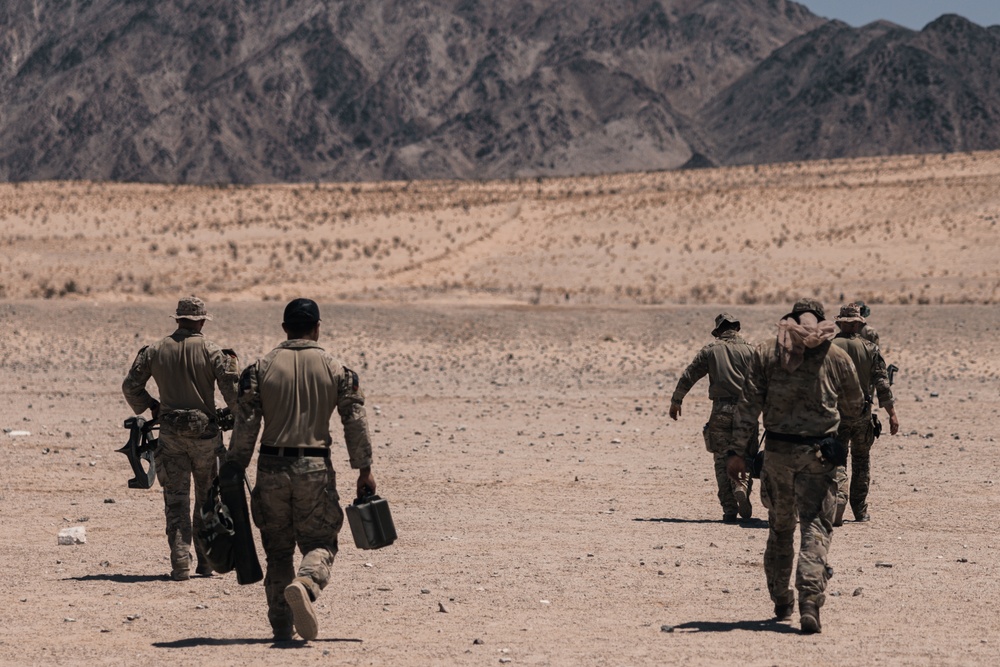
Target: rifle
(140,447)
(892,370)
(142,444)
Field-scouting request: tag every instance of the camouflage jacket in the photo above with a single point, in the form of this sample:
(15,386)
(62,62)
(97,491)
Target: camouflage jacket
(870,365)
(294,390)
(870,333)
(186,367)
(806,402)
(725,361)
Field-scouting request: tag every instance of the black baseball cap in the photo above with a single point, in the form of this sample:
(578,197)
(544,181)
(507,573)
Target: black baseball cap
(301,312)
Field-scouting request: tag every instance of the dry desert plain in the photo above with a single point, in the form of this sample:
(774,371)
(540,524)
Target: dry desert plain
(518,343)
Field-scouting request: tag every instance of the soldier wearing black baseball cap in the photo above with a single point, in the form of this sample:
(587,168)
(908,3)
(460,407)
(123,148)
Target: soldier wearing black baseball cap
(288,398)
(301,312)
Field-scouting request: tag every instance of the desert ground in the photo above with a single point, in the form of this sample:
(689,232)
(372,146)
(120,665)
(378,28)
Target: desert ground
(518,343)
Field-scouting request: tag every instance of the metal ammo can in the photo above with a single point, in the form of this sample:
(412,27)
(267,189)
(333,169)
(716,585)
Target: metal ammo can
(371,522)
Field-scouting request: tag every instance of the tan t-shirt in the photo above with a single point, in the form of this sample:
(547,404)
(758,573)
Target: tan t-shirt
(868,361)
(294,390)
(725,361)
(186,367)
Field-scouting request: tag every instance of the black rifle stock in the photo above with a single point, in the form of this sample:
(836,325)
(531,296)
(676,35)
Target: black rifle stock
(140,447)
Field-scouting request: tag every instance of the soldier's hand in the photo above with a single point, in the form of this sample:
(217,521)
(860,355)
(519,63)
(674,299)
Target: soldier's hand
(736,467)
(366,482)
(154,410)
(675,411)
(893,424)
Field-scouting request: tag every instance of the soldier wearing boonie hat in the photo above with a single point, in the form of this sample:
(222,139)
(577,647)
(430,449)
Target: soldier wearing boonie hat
(293,391)
(186,366)
(868,332)
(859,434)
(725,361)
(191,308)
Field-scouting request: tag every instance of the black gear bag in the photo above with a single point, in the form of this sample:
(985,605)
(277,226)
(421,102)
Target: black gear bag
(227,538)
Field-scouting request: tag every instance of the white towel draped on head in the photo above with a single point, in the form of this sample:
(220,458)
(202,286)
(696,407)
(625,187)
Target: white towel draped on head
(794,337)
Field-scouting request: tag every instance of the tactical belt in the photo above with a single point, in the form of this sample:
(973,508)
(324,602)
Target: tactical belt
(726,401)
(795,439)
(295,452)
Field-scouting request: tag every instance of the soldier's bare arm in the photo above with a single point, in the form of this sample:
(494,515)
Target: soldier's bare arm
(134,385)
(248,418)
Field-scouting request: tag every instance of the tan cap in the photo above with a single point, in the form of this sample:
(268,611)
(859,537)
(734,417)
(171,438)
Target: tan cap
(191,308)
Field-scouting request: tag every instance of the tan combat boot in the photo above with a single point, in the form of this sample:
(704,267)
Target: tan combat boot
(303,614)
(809,617)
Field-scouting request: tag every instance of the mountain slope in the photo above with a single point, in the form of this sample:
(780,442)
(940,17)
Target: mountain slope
(300,90)
(881,89)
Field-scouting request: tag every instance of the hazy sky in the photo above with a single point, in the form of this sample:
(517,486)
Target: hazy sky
(913,14)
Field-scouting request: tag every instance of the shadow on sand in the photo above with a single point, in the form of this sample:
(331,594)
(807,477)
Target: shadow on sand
(751,523)
(121,578)
(236,641)
(769,625)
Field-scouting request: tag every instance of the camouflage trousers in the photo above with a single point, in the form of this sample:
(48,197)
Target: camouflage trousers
(718,432)
(178,460)
(800,489)
(295,503)
(859,436)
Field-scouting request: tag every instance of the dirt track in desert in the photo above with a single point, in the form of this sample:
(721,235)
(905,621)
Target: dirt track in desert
(542,495)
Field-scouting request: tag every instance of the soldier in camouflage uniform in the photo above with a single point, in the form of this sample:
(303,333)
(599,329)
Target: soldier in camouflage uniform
(186,367)
(294,390)
(859,434)
(803,384)
(725,361)
(867,331)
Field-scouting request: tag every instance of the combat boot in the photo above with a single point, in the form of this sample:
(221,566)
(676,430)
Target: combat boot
(783,612)
(303,614)
(180,574)
(283,635)
(730,517)
(809,617)
(743,503)
(203,569)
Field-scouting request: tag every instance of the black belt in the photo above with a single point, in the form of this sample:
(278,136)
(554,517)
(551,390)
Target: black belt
(796,439)
(295,452)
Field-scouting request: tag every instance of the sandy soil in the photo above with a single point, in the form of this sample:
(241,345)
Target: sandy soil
(541,494)
(518,343)
(893,230)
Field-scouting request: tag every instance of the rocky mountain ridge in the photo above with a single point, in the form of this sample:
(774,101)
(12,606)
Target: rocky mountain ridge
(305,90)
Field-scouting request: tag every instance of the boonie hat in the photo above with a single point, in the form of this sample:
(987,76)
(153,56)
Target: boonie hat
(721,319)
(191,308)
(808,306)
(301,312)
(850,313)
